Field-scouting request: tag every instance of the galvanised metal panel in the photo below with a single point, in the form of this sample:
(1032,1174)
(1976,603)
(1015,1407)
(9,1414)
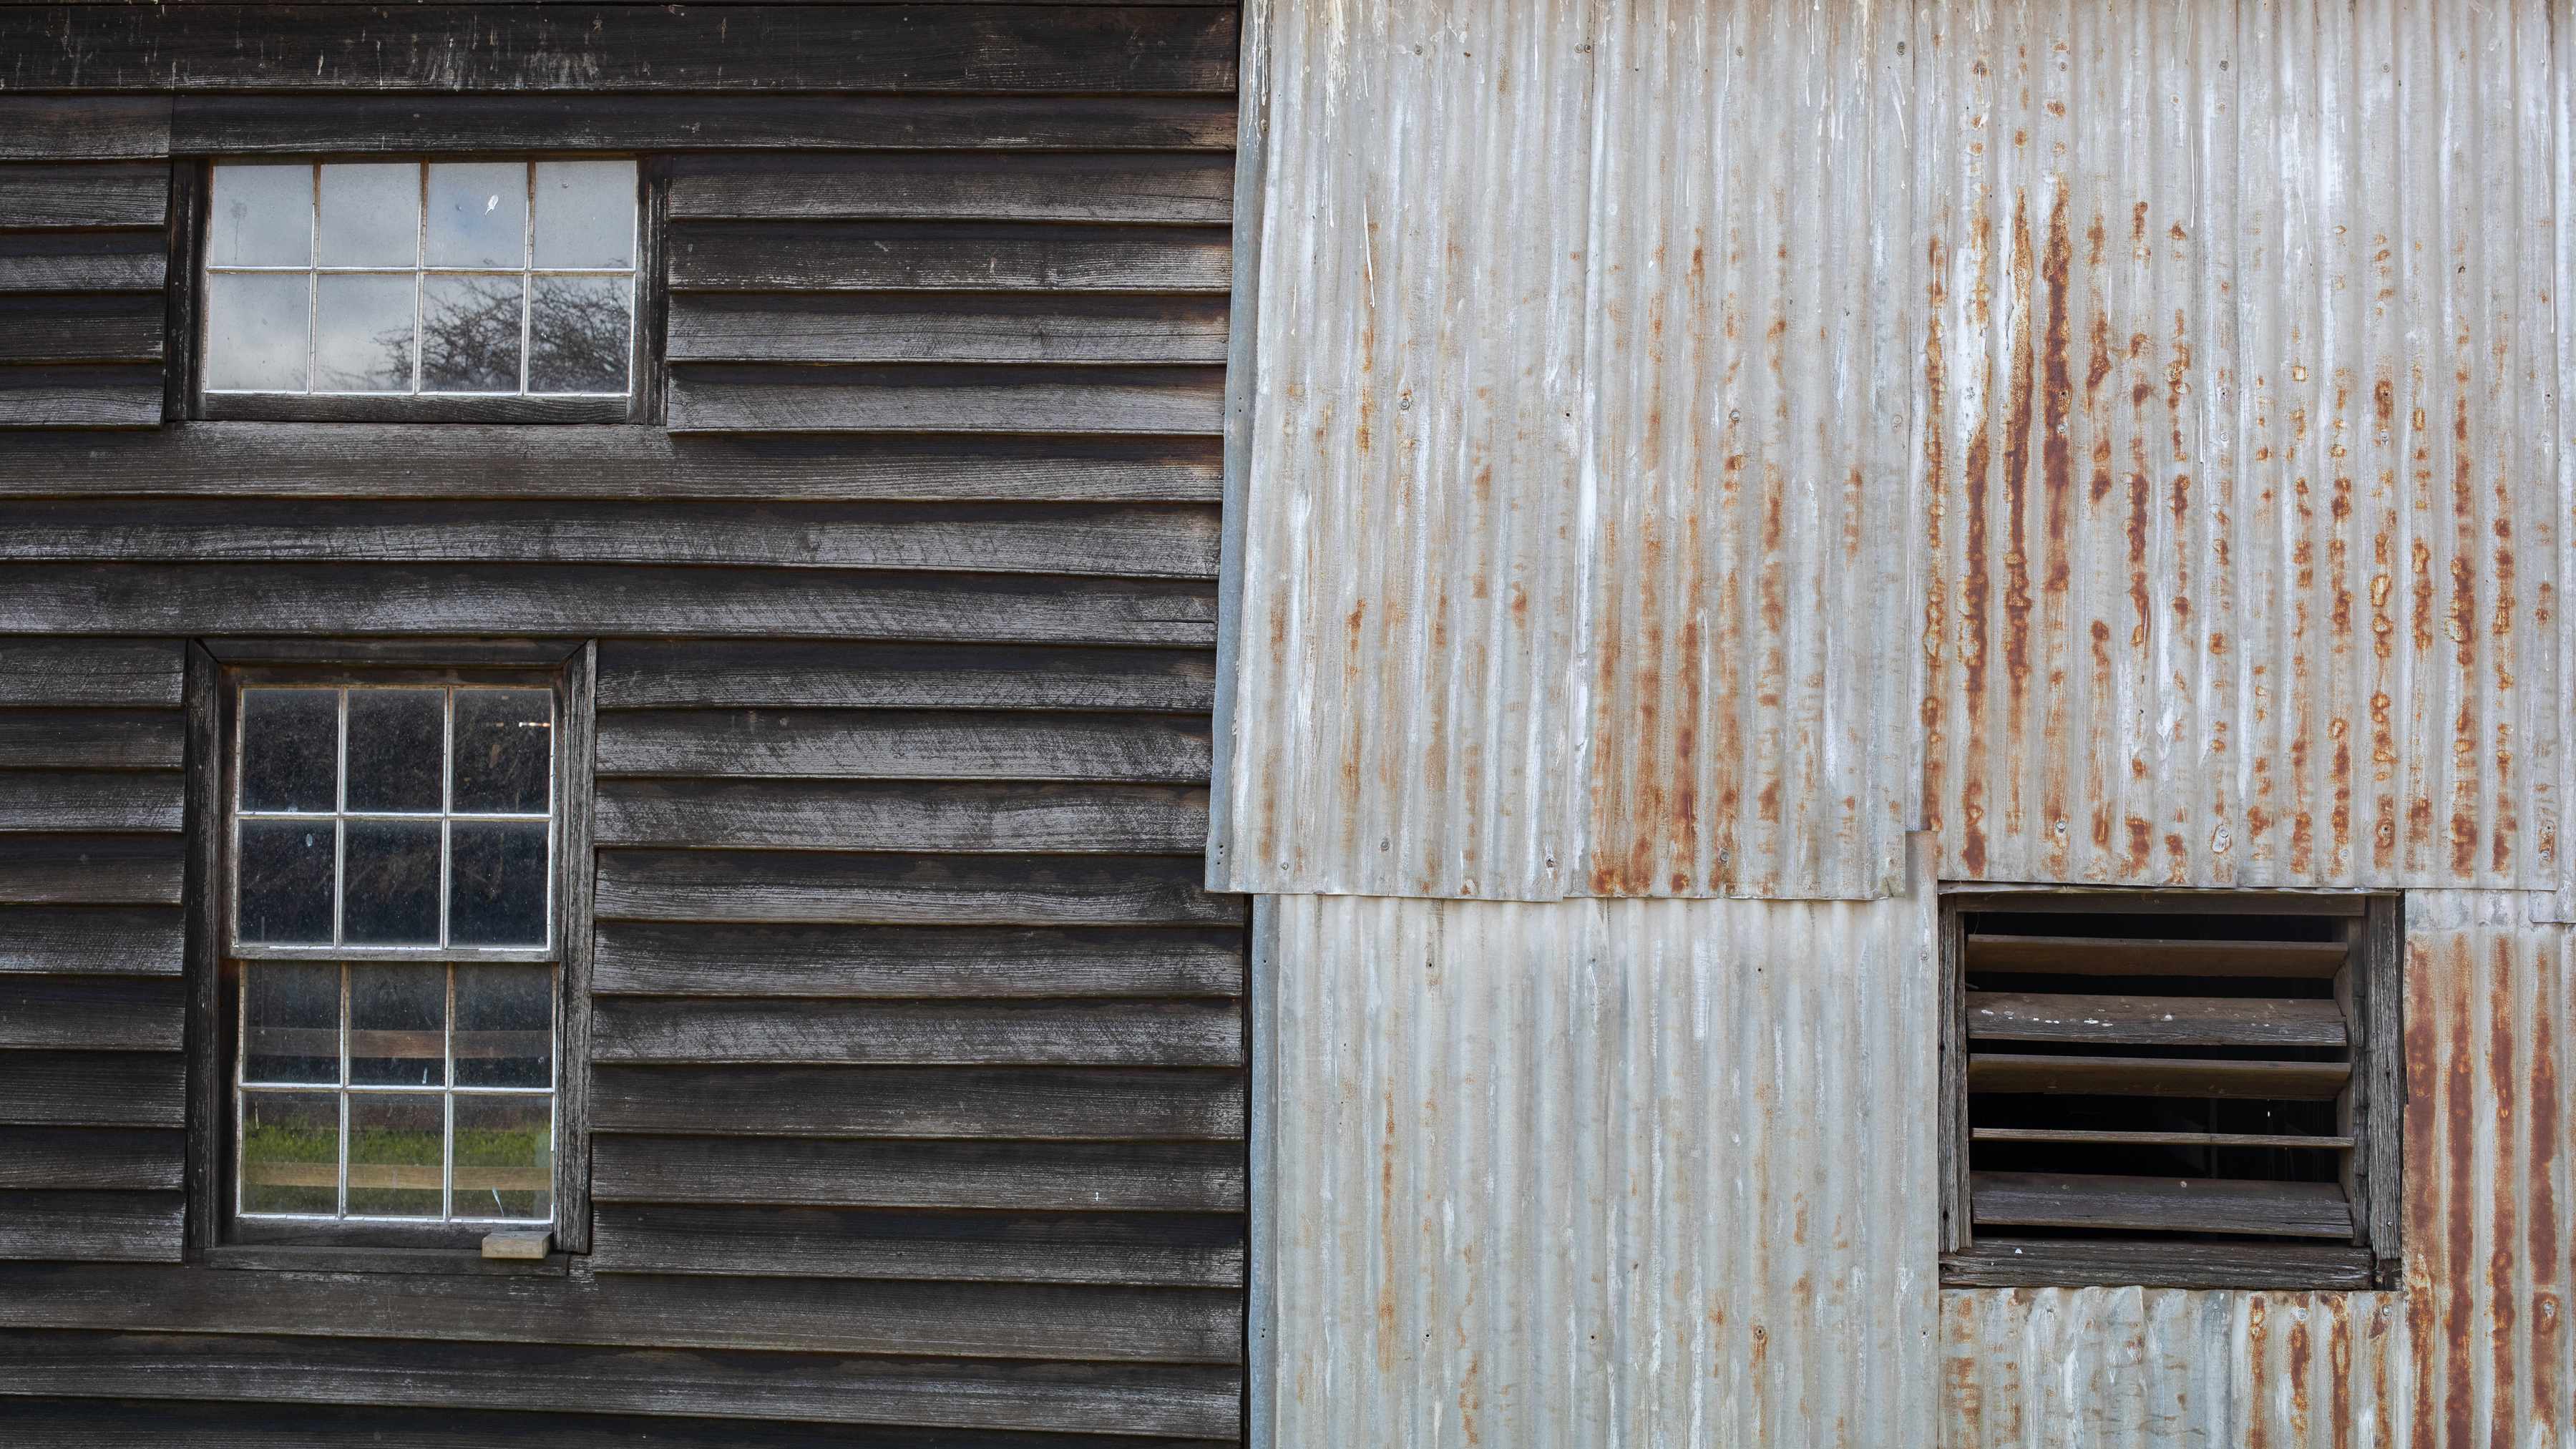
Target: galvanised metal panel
(2473,1348)
(1593,1173)
(1579,501)
(2245,442)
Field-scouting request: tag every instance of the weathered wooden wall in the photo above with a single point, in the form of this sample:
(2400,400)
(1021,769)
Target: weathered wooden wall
(918,1045)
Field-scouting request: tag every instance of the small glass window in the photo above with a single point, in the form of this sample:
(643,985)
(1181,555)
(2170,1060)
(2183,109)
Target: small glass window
(393,953)
(421,278)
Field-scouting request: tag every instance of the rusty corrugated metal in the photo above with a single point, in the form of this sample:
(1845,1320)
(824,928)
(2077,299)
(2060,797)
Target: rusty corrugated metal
(1600,1173)
(1577,533)
(2474,1348)
(2244,426)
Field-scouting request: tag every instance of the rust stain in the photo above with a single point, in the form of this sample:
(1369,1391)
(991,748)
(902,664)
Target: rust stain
(2502,1034)
(1974,621)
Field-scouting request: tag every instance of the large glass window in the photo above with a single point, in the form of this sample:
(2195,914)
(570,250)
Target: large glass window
(393,951)
(469,278)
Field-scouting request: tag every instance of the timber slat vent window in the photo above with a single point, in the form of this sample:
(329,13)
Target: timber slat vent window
(470,289)
(2171,1088)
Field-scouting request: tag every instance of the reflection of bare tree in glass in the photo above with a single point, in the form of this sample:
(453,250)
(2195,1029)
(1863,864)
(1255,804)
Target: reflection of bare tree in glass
(470,335)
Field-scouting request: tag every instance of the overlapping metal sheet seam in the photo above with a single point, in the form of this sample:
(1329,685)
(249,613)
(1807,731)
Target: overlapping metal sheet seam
(1596,1172)
(2473,1348)
(1581,498)
(2249,451)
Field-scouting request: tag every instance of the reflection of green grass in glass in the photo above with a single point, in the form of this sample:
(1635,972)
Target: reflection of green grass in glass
(275,1144)
(415,1149)
(526,1149)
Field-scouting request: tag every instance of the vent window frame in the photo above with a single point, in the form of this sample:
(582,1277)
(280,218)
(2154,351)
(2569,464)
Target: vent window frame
(2371,1107)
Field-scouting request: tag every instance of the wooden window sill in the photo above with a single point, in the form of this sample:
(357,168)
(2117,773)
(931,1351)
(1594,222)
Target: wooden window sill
(459,1262)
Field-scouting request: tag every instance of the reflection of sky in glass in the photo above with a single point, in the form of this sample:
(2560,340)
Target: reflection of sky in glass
(370,215)
(261,216)
(255,330)
(478,214)
(469,334)
(362,334)
(432,277)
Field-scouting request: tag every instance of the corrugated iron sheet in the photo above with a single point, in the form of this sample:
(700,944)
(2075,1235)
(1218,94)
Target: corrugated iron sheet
(1630,373)
(2246,443)
(1576,535)
(1601,1173)
(2475,1349)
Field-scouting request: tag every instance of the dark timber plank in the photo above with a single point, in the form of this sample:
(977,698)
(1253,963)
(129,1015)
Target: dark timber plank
(2088,956)
(90,1158)
(812,1389)
(949,327)
(98,194)
(635,675)
(2156,1076)
(820,256)
(904,744)
(2161,1204)
(90,739)
(95,1227)
(111,396)
(84,128)
(963,816)
(1124,1177)
(89,671)
(1134,540)
(507,599)
(862,961)
(89,870)
(1142,1249)
(902,890)
(1122,187)
(94,1013)
(1063,1105)
(216,47)
(102,940)
(2155,1020)
(1165,1325)
(439,460)
(92,1089)
(251,125)
(88,800)
(1186,401)
(1026,1033)
(83,261)
(2056,1263)
(114,327)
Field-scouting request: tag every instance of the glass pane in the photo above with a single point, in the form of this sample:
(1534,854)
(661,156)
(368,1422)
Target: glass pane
(370,214)
(585,214)
(505,1150)
(504,750)
(497,896)
(397,1155)
(398,1025)
(505,1026)
(389,895)
(290,1155)
(469,334)
(290,749)
(394,745)
(478,214)
(577,334)
(255,326)
(291,1022)
(261,216)
(362,334)
(286,882)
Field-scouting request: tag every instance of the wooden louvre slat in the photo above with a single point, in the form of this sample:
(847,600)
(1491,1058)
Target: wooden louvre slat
(2155,1021)
(2158,1139)
(2156,1076)
(2110,956)
(2160,1204)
